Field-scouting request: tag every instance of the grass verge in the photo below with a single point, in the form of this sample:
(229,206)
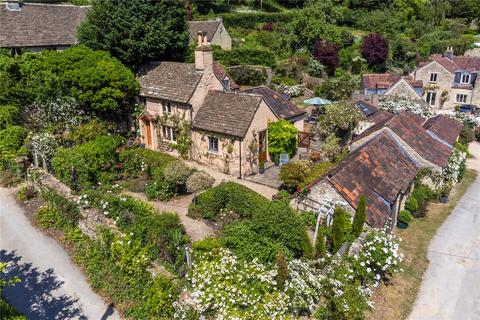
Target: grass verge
(395,301)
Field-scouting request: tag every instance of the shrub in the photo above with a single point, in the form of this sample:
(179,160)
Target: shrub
(245,55)
(375,49)
(244,75)
(8,179)
(199,181)
(11,142)
(411,204)
(318,170)
(282,270)
(282,138)
(85,164)
(327,54)
(159,189)
(50,217)
(207,245)
(249,20)
(9,115)
(340,228)
(138,161)
(176,174)
(405,216)
(320,249)
(89,131)
(67,208)
(26,193)
(339,87)
(360,216)
(467,135)
(294,174)
(309,219)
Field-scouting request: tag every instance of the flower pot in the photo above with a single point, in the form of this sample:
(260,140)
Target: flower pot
(402,225)
(261,170)
(443,199)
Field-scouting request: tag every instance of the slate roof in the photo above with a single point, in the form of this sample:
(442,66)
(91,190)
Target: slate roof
(408,126)
(210,27)
(380,170)
(227,113)
(169,80)
(444,128)
(386,80)
(281,106)
(468,63)
(221,73)
(40,25)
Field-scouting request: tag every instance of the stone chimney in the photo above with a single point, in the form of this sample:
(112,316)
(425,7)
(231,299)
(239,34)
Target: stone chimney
(448,53)
(203,53)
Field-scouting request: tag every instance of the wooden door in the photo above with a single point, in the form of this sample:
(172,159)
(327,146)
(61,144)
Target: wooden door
(148,133)
(262,146)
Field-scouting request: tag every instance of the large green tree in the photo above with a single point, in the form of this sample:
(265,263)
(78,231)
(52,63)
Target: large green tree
(136,31)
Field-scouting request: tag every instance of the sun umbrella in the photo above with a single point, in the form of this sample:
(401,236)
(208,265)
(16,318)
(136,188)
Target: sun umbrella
(317,101)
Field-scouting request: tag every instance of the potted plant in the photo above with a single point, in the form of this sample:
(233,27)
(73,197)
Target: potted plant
(404,218)
(261,167)
(444,192)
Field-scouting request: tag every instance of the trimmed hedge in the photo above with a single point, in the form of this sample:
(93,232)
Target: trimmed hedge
(137,158)
(249,20)
(244,55)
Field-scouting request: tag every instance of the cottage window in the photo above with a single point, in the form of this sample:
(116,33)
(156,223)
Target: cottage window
(433,77)
(169,133)
(213,144)
(167,107)
(461,98)
(431,96)
(465,78)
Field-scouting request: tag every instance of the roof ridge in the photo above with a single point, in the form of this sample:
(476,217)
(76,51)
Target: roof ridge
(51,4)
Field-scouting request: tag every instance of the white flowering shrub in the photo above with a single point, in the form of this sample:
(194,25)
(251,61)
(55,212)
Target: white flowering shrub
(83,202)
(455,166)
(63,110)
(399,104)
(44,144)
(466,119)
(130,255)
(224,287)
(291,91)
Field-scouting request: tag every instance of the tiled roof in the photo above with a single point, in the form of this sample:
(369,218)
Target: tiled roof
(227,113)
(380,117)
(169,80)
(40,25)
(210,27)
(444,128)
(386,80)
(281,106)
(380,171)
(408,127)
(221,73)
(470,64)
(367,108)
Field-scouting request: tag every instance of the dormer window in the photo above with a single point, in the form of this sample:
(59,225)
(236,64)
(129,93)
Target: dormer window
(167,107)
(433,77)
(465,78)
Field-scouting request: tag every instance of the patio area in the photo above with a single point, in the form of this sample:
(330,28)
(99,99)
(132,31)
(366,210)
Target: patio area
(269,177)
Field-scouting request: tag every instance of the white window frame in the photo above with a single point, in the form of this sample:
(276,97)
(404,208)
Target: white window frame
(429,101)
(467,76)
(433,75)
(167,107)
(213,144)
(169,134)
(461,98)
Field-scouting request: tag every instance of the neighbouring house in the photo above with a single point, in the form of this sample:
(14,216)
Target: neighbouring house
(229,132)
(216,32)
(389,84)
(450,80)
(281,106)
(371,115)
(39,26)
(174,92)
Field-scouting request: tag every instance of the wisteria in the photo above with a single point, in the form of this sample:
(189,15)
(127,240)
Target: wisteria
(451,172)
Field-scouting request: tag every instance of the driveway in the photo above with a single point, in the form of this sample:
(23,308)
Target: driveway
(52,286)
(451,285)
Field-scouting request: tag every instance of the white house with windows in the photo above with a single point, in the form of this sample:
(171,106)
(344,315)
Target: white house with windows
(450,80)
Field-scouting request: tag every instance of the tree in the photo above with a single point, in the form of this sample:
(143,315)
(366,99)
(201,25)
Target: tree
(282,137)
(360,216)
(340,87)
(340,119)
(327,53)
(294,173)
(374,49)
(320,244)
(340,228)
(136,31)
(331,148)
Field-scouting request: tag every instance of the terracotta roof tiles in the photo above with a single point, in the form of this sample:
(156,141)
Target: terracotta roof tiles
(444,128)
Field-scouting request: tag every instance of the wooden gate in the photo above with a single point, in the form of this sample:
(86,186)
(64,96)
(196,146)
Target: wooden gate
(304,139)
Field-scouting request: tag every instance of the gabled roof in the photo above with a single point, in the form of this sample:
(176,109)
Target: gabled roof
(40,25)
(408,126)
(281,106)
(444,128)
(210,27)
(470,64)
(227,113)
(169,80)
(380,170)
(386,80)
(366,108)
(221,73)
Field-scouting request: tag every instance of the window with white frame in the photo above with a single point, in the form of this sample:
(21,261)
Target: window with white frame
(167,107)
(461,98)
(169,133)
(433,77)
(465,78)
(431,96)
(213,144)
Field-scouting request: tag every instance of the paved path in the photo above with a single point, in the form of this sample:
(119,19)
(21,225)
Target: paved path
(52,286)
(451,285)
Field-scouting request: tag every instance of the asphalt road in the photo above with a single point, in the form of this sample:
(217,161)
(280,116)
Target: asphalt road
(451,285)
(52,286)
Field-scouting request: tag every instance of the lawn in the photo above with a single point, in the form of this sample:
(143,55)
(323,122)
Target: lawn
(395,301)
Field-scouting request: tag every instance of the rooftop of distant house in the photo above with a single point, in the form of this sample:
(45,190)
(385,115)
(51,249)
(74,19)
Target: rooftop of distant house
(386,80)
(453,63)
(39,25)
(210,27)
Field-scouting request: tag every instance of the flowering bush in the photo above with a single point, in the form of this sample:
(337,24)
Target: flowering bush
(456,164)
(291,91)
(64,111)
(466,119)
(130,255)
(399,104)
(44,144)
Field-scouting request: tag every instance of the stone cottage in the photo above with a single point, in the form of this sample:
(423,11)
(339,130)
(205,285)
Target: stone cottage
(216,32)
(389,84)
(450,80)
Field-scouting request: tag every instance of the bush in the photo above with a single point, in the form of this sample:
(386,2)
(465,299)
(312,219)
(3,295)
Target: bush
(411,204)
(360,216)
(9,115)
(68,209)
(282,138)
(199,181)
(50,217)
(11,142)
(176,174)
(89,131)
(138,161)
(207,245)
(244,75)
(159,189)
(245,55)
(340,228)
(294,174)
(405,216)
(249,20)
(8,179)
(26,193)
(467,135)
(86,164)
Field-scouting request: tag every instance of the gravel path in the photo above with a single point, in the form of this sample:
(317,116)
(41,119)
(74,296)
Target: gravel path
(52,286)
(451,285)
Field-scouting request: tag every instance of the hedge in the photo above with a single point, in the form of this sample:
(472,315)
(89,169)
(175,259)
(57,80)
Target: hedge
(244,55)
(132,160)
(249,20)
